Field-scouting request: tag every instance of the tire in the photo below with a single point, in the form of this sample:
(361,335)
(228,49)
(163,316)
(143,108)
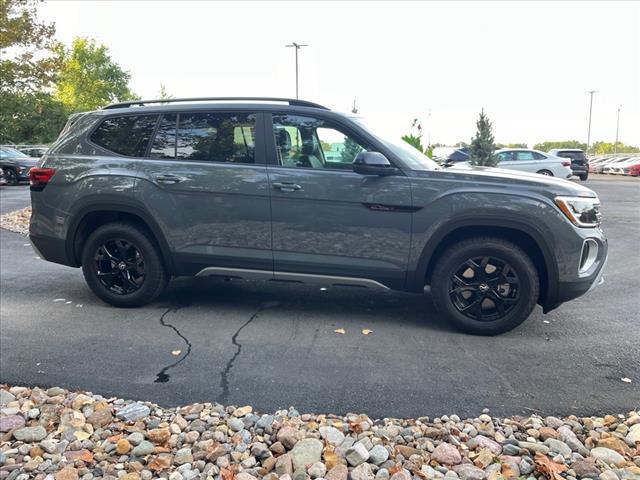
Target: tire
(545,172)
(11,177)
(143,276)
(583,177)
(517,291)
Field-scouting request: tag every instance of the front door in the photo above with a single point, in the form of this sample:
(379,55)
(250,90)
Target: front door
(326,219)
(205,182)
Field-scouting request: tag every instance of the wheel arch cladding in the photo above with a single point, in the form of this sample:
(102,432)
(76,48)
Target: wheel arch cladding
(94,216)
(527,239)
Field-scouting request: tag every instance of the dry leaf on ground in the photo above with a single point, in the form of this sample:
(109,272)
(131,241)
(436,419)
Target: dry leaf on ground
(366,331)
(175,353)
(550,468)
(341,331)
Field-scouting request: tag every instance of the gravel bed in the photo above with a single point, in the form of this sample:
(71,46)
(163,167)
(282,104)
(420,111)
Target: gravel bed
(56,434)
(16,221)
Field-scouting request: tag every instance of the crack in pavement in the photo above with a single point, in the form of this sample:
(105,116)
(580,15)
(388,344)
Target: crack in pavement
(162,376)
(224,376)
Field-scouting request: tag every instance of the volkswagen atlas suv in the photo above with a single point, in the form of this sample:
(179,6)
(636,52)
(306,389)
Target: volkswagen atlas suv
(288,190)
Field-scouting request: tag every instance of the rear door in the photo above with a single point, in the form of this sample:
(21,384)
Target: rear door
(327,219)
(205,182)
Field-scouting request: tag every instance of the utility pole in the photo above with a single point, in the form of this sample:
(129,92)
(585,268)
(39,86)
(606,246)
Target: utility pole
(615,145)
(297,46)
(590,92)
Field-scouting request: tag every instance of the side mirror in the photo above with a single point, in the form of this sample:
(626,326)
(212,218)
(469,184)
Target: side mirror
(373,163)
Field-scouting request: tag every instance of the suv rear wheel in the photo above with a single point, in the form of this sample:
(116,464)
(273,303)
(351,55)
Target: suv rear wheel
(485,285)
(11,176)
(123,266)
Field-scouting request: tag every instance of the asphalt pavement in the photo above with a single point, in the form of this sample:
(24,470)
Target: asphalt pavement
(273,345)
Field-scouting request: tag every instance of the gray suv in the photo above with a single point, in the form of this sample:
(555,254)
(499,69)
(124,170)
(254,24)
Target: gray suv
(290,191)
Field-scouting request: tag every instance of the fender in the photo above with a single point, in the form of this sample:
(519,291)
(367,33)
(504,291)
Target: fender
(416,278)
(116,205)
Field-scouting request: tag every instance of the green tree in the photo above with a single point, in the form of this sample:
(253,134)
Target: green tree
(604,148)
(546,146)
(350,150)
(31,118)
(28,66)
(163,94)
(482,148)
(89,78)
(28,62)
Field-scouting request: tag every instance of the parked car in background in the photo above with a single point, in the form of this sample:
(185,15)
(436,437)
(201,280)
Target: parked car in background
(33,151)
(622,168)
(531,161)
(15,165)
(579,163)
(3,181)
(606,168)
(594,163)
(634,170)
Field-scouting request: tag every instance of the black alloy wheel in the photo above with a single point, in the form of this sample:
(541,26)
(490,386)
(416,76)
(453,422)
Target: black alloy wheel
(484,288)
(119,266)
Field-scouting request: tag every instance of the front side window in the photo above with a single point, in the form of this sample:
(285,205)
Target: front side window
(207,136)
(306,142)
(126,135)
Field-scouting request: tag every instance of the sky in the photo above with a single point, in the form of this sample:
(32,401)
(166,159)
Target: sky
(528,65)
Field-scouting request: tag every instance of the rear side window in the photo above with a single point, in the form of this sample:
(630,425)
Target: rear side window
(538,156)
(207,136)
(126,135)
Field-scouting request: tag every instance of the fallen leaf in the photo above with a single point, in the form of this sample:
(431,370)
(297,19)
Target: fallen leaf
(341,331)
(546,321)
(227,474)
(160,463)
(175,353)
(69,302)
(626,379)
(79,305)
(366,331)
(59,300)
(548,467)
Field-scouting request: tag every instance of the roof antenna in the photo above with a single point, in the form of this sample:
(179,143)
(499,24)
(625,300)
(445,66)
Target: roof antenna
(354,109)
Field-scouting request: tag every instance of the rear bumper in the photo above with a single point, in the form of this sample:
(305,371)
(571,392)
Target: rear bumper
(579,169)
(51,249)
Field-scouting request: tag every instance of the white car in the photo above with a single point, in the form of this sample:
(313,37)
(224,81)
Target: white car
(532,161)
(622,168)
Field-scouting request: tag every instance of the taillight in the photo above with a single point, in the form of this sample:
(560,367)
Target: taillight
(566,164)
(39,177)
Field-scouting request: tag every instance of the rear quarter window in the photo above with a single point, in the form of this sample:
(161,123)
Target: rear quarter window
(126,135)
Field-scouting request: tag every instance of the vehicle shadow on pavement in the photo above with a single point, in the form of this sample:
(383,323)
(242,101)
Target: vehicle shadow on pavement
(348,303)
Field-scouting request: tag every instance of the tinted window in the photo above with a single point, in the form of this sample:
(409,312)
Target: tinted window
(538,156)
(125,135)
(572,155)
(505,156)
(164,143)
(313,143)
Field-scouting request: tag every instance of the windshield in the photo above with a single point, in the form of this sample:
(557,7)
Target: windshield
(413,158)
(10,152)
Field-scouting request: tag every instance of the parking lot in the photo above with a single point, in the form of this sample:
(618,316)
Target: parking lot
(274,345)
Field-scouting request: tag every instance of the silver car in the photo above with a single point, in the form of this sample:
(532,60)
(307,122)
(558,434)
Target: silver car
(535,162)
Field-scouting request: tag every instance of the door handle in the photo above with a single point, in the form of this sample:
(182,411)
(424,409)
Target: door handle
(287,186)
(168,179)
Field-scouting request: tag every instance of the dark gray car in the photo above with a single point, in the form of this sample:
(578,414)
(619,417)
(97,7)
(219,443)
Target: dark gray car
(287,190)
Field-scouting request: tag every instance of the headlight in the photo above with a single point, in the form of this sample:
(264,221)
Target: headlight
(581,211)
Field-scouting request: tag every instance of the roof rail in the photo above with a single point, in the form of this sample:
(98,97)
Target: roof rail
(290,101)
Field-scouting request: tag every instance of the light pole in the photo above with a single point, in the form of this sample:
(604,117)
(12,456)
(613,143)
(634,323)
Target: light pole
(297,46)
(615,145)
(590,92)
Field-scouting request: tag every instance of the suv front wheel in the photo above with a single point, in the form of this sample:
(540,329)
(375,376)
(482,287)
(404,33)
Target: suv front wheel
(485,285)
(123,266)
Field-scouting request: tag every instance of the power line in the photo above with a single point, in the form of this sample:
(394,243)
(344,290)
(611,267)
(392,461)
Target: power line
(297,46)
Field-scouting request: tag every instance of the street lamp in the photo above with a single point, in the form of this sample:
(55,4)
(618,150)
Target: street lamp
(297,46)
(590,92)
(615,145)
